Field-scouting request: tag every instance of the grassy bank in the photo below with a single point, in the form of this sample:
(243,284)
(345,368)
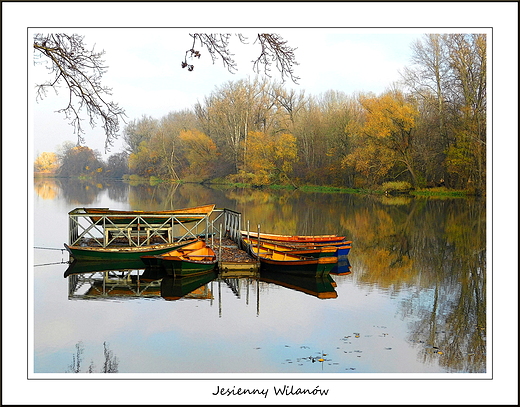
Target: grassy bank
(425,192)
(433,192)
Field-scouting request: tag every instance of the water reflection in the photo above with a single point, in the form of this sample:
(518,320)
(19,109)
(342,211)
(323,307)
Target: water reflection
(320,287)
(417,262)
(174,288)
(343,267)
(129,280)
(77,191)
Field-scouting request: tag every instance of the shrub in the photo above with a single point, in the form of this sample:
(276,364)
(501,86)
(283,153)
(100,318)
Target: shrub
(397,187)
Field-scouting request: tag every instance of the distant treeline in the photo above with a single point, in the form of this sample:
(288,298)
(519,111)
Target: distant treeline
(428,130)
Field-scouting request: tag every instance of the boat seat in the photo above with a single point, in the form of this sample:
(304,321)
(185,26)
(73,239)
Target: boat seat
(151,231)
(115,232)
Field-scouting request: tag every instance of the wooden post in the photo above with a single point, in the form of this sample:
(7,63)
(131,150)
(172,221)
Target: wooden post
(239,227)
(258,244)
(220,245)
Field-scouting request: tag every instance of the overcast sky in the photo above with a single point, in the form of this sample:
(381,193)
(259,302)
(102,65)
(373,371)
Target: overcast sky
(147,79)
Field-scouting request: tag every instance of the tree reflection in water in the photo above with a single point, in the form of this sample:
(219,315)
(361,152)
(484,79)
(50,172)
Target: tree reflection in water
(432,252)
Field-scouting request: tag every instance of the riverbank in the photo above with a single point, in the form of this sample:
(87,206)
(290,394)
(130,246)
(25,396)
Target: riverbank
(431,192)
(422,192)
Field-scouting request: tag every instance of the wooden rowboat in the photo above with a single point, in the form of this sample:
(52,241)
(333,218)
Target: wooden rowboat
(309,251)
(192,259)
(284,262)
(342,247)
(127,217)
(118,253)
(295,238)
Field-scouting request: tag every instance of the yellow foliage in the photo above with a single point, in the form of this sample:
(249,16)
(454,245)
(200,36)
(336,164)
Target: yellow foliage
(388,115)
(270,154)
(46,162)
(199,150)
(385,138)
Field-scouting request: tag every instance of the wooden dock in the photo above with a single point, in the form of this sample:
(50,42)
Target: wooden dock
(233,261)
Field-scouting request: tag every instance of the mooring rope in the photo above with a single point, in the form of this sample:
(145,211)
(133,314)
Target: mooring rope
(49,248)
(50,264)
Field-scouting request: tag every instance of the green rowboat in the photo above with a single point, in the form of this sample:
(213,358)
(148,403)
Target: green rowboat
(118,253)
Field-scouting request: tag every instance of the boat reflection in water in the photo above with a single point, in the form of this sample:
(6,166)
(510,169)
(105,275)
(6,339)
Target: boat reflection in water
(118,281)
(132,280)
(321,287)
(175,288)
(342,267)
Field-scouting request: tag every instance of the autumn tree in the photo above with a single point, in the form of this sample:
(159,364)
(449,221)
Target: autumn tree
(448,77)
(80,69)
(271,158)
(428,80)
(137,131)
(145,162)
(200,153)
(289,104)
(231,112)
(46,162)
(467,154)
(341,116)
(165,141)
(320,127)
(117,165)
(81,161)
(308,132)
(386,138)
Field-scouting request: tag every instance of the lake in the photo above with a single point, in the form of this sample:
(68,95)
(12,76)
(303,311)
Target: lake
(413,302)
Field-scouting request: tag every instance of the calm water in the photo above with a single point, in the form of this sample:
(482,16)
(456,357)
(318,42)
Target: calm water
(414,302)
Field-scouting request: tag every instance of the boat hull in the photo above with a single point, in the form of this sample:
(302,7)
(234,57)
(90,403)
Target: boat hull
(295,238)
(309,251)
(307,268)
(284,262)
(185,268)
(193,259)
(86,253)
(343,247)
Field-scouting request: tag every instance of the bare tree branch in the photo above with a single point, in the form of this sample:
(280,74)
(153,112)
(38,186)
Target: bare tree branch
(80,70)
(273,50)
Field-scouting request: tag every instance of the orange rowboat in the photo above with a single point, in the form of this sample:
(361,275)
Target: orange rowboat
(296,238)
(300,250)
(285,262)
(195,258)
